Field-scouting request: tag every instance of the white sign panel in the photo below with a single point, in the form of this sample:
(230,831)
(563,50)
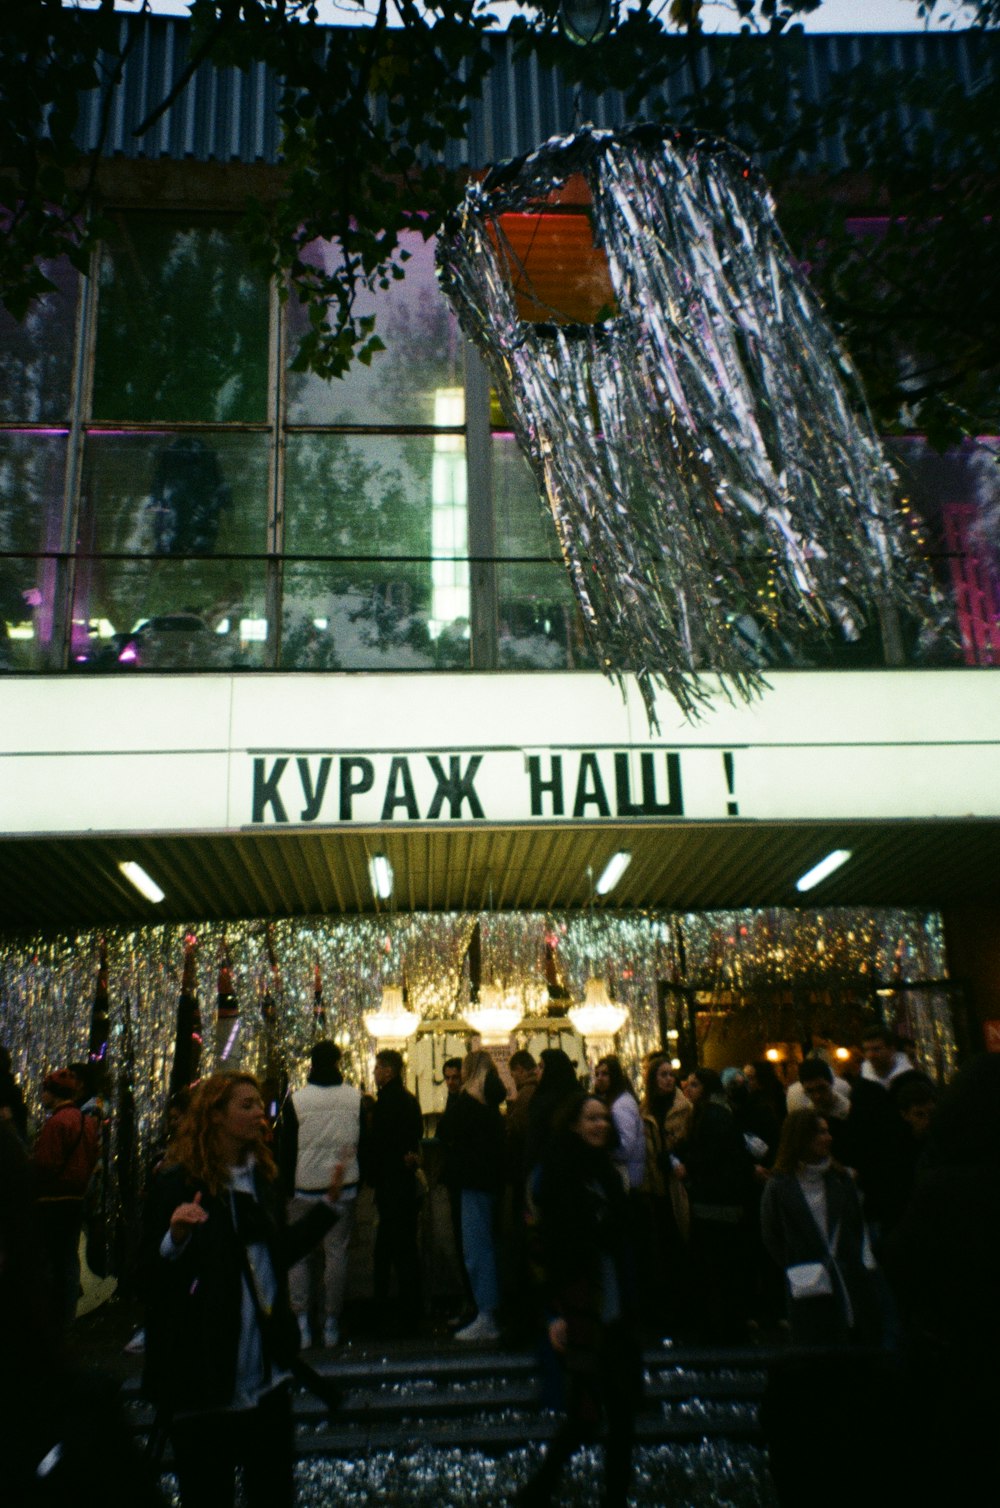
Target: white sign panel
(218,753)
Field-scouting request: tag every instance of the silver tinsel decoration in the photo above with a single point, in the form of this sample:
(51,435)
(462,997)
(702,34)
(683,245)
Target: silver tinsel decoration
(716,1474)
(703,445)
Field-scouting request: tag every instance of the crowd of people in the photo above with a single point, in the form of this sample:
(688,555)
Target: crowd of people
(711,1207)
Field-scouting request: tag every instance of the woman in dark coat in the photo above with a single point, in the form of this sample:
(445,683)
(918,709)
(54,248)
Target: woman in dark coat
(590,1297)
(718,1173)
(812,1225)
(220,1333)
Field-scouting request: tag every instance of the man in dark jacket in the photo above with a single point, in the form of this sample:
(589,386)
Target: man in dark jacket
(393,1157)
(866,1138)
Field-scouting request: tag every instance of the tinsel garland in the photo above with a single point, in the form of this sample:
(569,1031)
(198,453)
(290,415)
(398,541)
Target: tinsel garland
(704,446)
(716,1474)
(730,958)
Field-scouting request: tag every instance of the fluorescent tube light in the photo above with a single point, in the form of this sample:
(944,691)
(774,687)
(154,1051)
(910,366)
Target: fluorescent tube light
(823,868)
(137,876)
(381,876)
(613,871)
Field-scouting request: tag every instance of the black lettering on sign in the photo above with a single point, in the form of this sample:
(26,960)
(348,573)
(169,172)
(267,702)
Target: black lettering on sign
(649,806)
(399,773)
(349,787)
(540,786)
(590,793)
(265,790)
(313,798)
(455,787)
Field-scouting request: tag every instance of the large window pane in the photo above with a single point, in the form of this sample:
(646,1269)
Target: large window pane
(32,475)
(524,524)
(423,355)
(392,510)
(540,627)
(369,617)
(170,615)
(952,504)
(28,590)
(174,494)
(32,478)
(37,367)
(182,324)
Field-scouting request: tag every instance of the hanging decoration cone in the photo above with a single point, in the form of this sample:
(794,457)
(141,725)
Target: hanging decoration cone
(227,1014)
(187,1047)
(319,1007)
(274,1076)
(721,497)
(97,1046)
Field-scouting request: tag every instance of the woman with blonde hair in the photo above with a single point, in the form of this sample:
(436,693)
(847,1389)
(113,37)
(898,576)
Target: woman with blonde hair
(480,1150)
(220,1333)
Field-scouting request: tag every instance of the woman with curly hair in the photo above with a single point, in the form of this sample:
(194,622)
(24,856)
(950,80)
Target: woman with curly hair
(220,1333)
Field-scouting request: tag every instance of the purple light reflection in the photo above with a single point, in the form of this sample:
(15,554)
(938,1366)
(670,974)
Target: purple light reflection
(33,430)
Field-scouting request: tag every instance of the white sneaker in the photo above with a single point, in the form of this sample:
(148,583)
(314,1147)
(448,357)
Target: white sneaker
(331,1333)
(483,1327)
(304,1335)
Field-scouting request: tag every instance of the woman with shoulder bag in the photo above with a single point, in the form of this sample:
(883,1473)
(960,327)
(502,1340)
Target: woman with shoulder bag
(813,1227)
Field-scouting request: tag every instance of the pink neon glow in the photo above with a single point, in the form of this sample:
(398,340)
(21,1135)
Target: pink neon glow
(128,656)
(62,432)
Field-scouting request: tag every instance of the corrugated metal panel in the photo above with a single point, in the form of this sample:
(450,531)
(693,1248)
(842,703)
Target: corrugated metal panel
(683,866)
(224,115)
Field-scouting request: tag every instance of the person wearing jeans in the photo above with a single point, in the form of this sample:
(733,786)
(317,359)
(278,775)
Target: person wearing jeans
(481,1151)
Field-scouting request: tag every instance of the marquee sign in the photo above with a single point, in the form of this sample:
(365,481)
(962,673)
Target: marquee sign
(228,753)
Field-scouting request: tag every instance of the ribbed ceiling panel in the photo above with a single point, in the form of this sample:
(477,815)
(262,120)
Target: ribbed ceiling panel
(76,882)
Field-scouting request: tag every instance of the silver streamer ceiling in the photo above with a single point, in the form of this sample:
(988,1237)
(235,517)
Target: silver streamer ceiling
(720,495)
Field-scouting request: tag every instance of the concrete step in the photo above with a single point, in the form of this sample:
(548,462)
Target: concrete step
(489,1399)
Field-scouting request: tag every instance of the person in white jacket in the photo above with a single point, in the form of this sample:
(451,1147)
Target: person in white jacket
(629,1156)
(321,1126)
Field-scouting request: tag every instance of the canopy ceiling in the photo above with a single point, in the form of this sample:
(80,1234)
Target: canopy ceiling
(684,866)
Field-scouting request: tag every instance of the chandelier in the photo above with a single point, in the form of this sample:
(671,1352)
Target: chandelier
(495,1016)
(392,1023)
(597,1018)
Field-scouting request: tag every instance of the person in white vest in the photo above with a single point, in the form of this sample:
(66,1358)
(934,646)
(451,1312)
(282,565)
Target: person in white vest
(321,1126)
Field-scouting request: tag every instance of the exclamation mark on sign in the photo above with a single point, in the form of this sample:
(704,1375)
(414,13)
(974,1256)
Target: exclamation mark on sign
(732,805)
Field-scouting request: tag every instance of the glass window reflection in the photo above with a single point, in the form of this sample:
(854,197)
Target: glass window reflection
(391,510)
(367,617)
(163,493)
(182,329)
(170,615)
(37,368)
(539,624)
(423,355)
(32,480)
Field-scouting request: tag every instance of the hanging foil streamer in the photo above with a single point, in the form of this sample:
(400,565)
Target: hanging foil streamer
(97,1047)
(227,1014)
(513,957)
(703,445)
(47,987)
(186,1067)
